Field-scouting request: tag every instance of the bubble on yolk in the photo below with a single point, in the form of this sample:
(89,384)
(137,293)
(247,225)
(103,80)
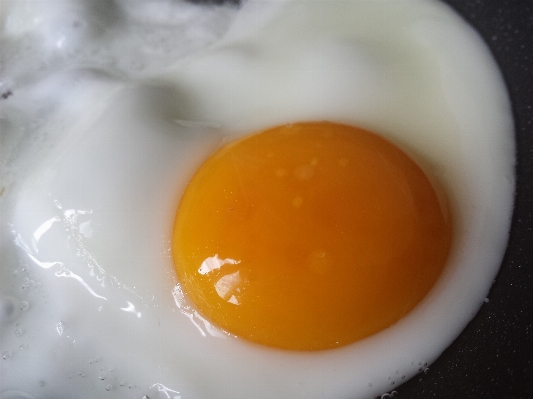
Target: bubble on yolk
(309,236)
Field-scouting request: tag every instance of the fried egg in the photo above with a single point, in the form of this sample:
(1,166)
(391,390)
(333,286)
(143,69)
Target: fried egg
(111,119)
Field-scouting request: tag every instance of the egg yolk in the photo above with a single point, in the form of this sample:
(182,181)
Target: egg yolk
(309,236)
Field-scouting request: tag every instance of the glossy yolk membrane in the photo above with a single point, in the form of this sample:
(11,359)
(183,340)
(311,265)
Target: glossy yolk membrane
(309,236)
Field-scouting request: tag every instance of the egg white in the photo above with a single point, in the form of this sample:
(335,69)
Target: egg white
(90,189)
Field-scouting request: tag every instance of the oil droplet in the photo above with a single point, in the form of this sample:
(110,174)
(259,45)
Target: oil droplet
(319,261)
(343,162)
(304,172)
(281,172)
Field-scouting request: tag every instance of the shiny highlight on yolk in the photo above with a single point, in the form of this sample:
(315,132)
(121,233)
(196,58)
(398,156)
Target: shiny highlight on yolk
(309,236)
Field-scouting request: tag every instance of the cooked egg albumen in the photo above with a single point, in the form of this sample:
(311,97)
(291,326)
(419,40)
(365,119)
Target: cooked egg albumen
(98,147)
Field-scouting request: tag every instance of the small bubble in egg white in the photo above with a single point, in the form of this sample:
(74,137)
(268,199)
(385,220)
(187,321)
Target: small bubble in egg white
(18,332)
(24,305)
(426,370)
(60,327)
(108,387)
(23,347)
(6,355)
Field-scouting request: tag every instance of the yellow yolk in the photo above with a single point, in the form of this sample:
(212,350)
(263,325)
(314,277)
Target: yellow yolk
(309,236)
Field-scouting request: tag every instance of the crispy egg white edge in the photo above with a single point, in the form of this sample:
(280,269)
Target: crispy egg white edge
(317,369)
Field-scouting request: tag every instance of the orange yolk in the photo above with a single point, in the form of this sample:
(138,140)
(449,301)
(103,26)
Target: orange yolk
(309,236)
